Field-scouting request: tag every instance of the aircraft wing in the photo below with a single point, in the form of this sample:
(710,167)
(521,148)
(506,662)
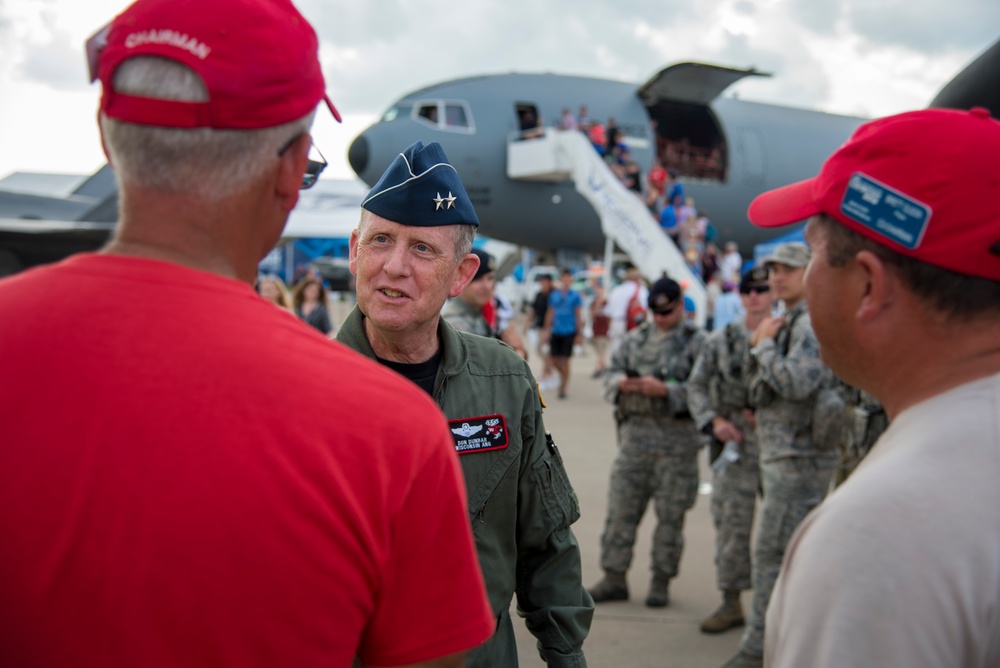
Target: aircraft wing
(697,83)
(26,243)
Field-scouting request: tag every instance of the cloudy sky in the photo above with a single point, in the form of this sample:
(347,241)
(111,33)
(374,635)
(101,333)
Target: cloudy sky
(858,57)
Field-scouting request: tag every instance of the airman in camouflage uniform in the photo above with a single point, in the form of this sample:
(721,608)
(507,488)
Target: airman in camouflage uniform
(785,374)
(465,312)
(866,420)
(719,403)
(647,381)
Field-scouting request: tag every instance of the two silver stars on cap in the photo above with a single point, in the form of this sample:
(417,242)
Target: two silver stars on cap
(450,199)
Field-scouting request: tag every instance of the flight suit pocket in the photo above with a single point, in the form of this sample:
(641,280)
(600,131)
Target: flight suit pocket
(558,497)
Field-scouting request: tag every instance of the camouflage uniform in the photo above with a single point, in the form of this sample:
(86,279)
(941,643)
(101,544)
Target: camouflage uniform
(718,387)
(465,318)
(866,420)
(785,376)
(659,447)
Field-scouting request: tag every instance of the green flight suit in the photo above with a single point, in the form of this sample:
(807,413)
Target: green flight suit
(520,501)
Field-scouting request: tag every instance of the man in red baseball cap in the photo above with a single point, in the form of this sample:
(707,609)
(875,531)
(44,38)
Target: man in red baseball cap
(900,566)
(179,484)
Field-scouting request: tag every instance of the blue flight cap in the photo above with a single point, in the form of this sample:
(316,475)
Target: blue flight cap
(420,188)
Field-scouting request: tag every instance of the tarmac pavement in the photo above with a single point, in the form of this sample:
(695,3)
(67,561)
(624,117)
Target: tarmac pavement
(627,634)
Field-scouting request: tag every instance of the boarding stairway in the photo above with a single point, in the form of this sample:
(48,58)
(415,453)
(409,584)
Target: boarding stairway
(562,155)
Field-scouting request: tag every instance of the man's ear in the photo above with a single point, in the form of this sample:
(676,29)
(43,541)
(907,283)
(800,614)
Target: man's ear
(353,255)
(291,167)
(104,143)
(466,271)
(878,289)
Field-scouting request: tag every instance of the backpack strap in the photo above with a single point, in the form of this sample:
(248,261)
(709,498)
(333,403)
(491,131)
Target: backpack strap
(787,329)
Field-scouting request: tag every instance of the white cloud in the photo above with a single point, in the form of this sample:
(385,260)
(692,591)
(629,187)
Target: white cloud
(842,56)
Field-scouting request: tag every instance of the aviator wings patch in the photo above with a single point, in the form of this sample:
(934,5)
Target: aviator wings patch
(479,434)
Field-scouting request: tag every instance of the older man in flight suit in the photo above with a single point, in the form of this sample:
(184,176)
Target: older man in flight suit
(410,253)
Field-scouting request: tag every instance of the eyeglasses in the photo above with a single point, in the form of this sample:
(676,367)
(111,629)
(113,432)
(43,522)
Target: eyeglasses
(313,169)
(759,289)
(665,311)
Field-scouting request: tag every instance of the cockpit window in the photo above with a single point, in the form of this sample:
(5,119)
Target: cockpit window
(447,115)
(395,112)
(454,116)
(428,112)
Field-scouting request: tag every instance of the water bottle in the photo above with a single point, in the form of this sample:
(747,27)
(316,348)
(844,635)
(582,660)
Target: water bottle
(730,453)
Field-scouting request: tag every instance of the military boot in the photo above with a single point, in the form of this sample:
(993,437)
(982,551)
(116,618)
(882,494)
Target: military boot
(744,660)
(658,596)
(612,588)
(728,616)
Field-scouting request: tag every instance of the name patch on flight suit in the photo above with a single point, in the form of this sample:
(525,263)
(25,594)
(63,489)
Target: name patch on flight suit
(479,434)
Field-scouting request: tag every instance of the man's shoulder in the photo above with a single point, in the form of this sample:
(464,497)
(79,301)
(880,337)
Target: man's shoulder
(720,337)
(459,314)
(488,356)
(799,316)
(622,288)
(800,327)
(339,376)
(692,333)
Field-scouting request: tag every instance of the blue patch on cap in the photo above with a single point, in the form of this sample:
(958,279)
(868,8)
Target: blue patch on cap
(420,188)
(885,211)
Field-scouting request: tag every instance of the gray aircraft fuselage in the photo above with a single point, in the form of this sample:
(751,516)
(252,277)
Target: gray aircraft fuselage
(762,146)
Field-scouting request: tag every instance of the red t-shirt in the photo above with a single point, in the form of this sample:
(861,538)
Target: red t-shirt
(190,476)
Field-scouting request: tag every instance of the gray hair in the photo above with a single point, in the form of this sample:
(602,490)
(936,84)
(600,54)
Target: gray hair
(206,163)
(464,235)
(954,295)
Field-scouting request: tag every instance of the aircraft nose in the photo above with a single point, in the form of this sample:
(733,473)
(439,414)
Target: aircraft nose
(357,155)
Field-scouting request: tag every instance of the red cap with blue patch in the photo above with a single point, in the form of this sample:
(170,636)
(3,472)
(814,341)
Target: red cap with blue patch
(925,184)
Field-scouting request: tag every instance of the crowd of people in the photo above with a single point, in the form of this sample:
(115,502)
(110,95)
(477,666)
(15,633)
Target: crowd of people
(748,388)
(179,511)
(308,299)
(718,265)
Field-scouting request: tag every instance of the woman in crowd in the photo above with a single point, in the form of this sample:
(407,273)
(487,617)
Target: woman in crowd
(273,289)
(600,323)
(309,300)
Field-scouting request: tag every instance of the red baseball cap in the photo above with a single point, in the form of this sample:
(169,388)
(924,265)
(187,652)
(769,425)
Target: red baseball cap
(258,59)
(925,184)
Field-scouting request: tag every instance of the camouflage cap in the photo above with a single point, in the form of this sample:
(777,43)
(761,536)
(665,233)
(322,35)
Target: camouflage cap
(792,254)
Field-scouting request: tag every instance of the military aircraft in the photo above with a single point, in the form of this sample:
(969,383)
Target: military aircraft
(540,192)
(726,150)
(732,149)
